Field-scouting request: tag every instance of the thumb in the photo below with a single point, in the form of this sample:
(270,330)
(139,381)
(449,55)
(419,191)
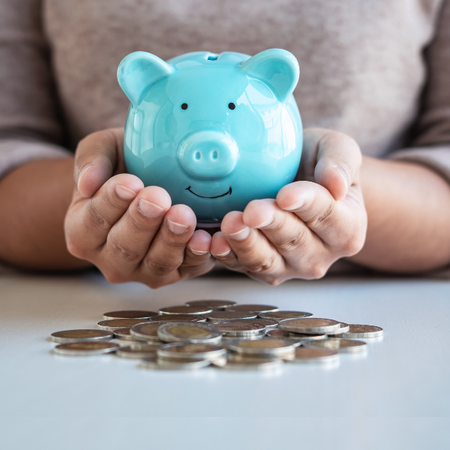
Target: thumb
(96,158)
(338,162)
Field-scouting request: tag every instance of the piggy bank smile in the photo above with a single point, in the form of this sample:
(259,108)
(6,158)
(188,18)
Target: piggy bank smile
(215,131)
(229,192)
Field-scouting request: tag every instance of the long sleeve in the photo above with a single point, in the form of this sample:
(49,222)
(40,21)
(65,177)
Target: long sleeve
(30,124)
(430,144)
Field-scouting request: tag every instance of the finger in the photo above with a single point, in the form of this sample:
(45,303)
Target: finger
(96,159)
(197,259)
(88,222)
(251,247)
(289,235)
(166,253)
(130,237)
(338,163)
(334,222)
(222,251)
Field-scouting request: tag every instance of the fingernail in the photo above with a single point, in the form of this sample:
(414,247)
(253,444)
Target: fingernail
(149,209)
(82,173)
(177,228)
(124,193)
(198,252)
(343,175)
(240,235)
(221,255)
(266,223)
(296,206)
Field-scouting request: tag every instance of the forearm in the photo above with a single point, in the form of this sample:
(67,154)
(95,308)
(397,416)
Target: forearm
(34,200)
(408,208)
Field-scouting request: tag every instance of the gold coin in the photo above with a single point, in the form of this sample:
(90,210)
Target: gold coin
(310,325)
(85,348)
(363,331)
(239,328)
(254,308)
(192,332)
(177,318)
(113,324)
(129,314)
(211,304)
(221,316)
(184,332)
(67,336)
(309,354)
(184,309)
(266,323)
(281,315)
(264,347)
(125,334)
(340,345)
(146,331)
(282,334)
(195,351)
(343,328)
(137,351)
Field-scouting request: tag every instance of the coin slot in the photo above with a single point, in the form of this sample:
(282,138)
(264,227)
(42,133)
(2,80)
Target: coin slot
(213,57)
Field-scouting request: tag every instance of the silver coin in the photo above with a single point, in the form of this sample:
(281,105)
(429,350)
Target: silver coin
(297,337)
(343,328)
(177,318)
(267,323)
(195,333)
(312,355)
(253,308)
(264,347)
(124,334)
(85,348)
(310,325)
(114,324)
(242,363)
(363,331)
(213,304)
(184,309)
(137,351)
(175,364)
(67,336)
(239,328)
(340,345)
(222,316)
(146,331)
(282,315)
(180,350)
(233,340)
(129,314)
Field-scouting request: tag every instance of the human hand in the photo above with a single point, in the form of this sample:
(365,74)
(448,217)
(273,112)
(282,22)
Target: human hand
(129,232)
(312,222)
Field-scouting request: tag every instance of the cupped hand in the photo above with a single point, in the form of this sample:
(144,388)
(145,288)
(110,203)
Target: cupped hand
(130,232)
(312,222)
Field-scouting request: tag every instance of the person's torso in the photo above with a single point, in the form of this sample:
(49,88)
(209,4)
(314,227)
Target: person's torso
(361,62)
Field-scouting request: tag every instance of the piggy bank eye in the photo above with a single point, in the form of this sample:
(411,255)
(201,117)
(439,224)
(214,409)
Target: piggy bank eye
(184,106)
(231,105)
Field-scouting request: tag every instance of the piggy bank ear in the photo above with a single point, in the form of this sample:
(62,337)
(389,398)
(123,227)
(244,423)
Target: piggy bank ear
(138,71)
(278,68)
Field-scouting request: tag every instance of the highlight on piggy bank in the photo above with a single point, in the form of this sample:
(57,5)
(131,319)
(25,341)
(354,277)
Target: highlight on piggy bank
(215,130)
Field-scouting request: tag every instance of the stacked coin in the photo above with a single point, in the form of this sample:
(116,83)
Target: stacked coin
(217,333)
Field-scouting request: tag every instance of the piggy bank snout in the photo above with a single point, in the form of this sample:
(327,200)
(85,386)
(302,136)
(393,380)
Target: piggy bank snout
(208,154)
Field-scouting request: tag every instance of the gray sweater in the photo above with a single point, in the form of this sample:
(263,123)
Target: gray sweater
(377,70)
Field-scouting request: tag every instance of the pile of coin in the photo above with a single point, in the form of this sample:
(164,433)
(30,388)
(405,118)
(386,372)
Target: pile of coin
(217,333)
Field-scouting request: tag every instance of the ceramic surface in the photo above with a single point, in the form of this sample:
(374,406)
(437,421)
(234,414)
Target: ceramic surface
(215,130)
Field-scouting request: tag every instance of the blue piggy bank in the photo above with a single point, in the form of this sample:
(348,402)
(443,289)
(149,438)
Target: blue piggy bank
(215,131)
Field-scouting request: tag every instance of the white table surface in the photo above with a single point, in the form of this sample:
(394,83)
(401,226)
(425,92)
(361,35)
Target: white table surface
(401,385)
